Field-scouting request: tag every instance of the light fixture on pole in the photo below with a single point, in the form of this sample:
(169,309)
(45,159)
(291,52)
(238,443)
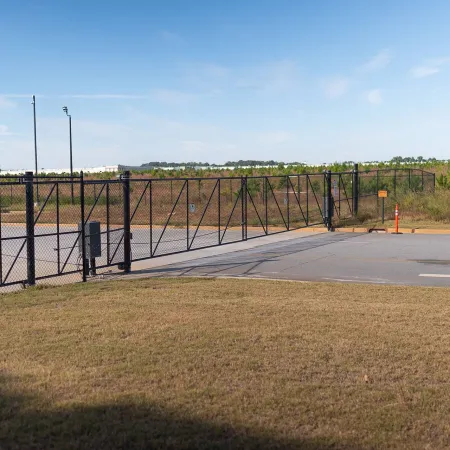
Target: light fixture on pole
(66,110)
(35,149)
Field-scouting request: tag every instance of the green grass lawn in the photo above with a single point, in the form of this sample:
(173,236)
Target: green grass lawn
(196,363)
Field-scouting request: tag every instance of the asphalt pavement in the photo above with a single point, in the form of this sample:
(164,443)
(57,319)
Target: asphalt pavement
(384,259)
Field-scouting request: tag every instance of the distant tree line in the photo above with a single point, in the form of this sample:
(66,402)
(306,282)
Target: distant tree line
(254,163)
(240,163)
(174,164)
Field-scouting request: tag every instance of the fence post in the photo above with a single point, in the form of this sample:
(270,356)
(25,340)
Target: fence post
(85,263)
(287,203)
(378,188)
(187,214)
(126,222)
(329,201)
(307,199)
(218,212)
(266,198)
(29,202)
(355,189)
(245,206)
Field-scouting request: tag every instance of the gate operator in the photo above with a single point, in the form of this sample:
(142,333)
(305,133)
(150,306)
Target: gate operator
(93,244)
(328,211)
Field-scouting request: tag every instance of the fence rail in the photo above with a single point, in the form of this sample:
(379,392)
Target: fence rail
(45,220)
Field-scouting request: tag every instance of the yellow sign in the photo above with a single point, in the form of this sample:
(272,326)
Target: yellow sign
(382,194)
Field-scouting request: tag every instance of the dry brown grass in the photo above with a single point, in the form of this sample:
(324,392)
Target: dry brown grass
(197,363)
(409,223)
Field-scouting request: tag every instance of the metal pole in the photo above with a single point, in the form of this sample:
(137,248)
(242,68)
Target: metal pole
(35,149)
(1,250)
(245,206)
(307,200)
(83,230)
(218,210)
(287,203)
(126,222)
(71,158)
(242,208)
(266,196)
(187,214)
(382,210)
(58,237)
(31,261)
(329,205)
(108,238)
(150,200)
(355,189)
(339,193)
(378,187)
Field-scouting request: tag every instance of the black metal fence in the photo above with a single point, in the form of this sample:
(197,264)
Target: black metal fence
(41,232)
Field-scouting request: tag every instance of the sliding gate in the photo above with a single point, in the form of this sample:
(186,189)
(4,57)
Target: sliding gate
(41,232)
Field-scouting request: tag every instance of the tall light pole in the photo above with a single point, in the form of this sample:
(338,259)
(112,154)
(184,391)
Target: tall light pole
(35,149)
(65,109)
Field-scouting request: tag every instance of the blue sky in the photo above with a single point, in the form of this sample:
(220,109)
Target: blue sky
(312,81)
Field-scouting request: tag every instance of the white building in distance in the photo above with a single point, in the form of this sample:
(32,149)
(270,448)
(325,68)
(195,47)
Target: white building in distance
(101,169)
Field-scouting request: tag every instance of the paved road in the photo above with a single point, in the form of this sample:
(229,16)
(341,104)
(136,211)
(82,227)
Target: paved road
(406,259)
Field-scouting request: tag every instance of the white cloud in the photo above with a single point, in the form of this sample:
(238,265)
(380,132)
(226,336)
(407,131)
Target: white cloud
(5,103)
(423,71)
(430,67)
(378,62)
(30,96)
(171,37)
(172,97)
(336,87)
(375,97)
(105,96)
(4,131)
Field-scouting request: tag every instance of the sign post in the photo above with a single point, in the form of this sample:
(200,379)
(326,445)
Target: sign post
(382,195)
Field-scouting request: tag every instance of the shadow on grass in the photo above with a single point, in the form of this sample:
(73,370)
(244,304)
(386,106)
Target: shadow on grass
(25,423)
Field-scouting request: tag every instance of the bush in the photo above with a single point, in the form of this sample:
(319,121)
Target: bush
(424,206)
